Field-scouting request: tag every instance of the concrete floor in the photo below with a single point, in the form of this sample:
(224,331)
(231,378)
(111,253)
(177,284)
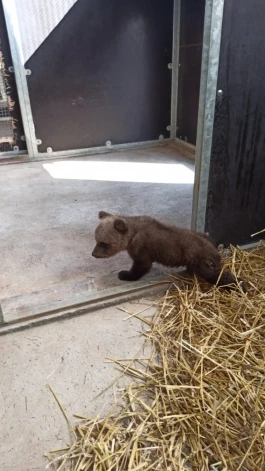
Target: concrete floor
(49,213)
(70,356)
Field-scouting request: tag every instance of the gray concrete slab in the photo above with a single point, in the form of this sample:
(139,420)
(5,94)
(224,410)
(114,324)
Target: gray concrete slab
(70,356)
(49,213)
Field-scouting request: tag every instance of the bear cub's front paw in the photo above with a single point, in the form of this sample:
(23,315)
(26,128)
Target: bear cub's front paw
(125,275)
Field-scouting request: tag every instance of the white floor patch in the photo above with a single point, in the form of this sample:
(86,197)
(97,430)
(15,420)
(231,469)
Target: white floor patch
(121,171)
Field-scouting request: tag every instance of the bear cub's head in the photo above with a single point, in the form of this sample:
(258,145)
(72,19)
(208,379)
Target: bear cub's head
(111,236)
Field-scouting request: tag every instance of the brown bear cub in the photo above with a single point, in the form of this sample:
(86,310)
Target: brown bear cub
(147,240)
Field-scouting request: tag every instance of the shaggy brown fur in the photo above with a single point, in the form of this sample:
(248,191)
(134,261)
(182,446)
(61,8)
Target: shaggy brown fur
(147,241)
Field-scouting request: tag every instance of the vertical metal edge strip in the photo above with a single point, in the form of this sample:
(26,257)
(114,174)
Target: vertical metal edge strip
(20,77)
(175,68)
(209,74)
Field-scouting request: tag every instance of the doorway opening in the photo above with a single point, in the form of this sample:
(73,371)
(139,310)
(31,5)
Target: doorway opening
(54,201)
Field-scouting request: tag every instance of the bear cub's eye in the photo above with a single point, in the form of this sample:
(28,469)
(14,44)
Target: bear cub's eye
(103,245)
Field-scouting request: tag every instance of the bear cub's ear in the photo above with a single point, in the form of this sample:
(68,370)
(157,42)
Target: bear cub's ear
(120,225)
(103,215)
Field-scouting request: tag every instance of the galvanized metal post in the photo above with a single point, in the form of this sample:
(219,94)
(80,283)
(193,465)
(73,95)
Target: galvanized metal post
(175,68)
(20,76)
(209,75)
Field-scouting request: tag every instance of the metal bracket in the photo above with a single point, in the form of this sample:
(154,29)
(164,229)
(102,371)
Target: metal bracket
(168,127)
(15,148)
(11,69)
(49,150)
(22,138)
(27,71)
(161,137)
(170,65)
(38,142)
(108,143)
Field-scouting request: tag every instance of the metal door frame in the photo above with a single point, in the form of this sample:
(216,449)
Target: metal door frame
(175,69)
(208,89)
(21,73)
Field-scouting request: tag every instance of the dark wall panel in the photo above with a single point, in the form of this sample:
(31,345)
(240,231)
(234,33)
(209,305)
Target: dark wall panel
(236,198)
(102,74)
(11,91)
(190,55)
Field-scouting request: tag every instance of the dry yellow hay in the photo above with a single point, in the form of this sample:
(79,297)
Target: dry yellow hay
(200,404)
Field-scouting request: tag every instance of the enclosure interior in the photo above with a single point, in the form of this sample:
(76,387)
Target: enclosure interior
(99,74)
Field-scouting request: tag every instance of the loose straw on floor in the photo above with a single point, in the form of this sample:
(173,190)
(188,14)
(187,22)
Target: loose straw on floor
(200,403)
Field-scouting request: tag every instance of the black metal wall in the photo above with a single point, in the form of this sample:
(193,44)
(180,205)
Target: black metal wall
(102,74)
(190,55)
(236,195)
(10,85)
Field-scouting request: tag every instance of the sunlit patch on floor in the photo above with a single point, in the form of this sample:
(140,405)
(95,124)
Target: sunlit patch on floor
(121,171)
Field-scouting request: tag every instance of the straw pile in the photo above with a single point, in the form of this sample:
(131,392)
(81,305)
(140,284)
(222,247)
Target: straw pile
(200,403)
